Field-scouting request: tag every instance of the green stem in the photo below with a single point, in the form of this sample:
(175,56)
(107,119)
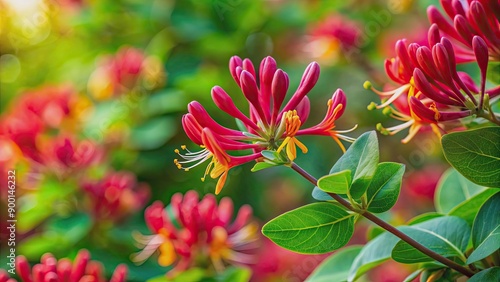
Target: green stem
(465,271)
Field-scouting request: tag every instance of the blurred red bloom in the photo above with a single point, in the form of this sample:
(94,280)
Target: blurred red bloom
(270,125)
(331,37)
(50,269)
(115,196)
(123,72)
(196,232)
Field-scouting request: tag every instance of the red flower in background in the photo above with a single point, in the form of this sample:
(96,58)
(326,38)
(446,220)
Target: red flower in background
(269,125)
(115,196)
(331,37)
(198,232)
(123,72)
(50,270)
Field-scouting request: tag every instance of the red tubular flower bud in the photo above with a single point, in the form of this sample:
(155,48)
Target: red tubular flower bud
(23,269)
(463,28)
(192,128)
(251,92)
(448,7)
(458,8)
(49,262)
(442,62)
(426,62)
(309,79)
(339,97)
(433,35)
(80,264)
(64,269)
(52,277)
(412,52)
(435,17)
(155,217)
(225,103)
(119,274)
(225,211)
(248,66)
(266,74)
(303,109)
(480,18)
(205,120)
(481,52)
(4,276)
(426,88)
(234,63)
(279,88)
(39,273)
(404,58)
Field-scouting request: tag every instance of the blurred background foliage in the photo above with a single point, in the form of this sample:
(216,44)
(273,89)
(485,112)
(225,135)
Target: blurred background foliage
(185,48)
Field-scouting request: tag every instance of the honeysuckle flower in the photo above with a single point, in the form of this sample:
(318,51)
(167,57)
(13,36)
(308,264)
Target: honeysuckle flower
(432,91)
(270,125)
(115,196)
(50,269)
(203,232)
(466,19)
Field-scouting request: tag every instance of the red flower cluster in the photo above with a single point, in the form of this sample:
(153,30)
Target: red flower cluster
(125,71)
(466,20)
(116,195)
(191,231)
(52,270)
(431,90)
(269,125)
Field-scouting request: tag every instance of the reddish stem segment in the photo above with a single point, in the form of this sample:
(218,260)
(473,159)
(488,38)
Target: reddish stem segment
(465,271)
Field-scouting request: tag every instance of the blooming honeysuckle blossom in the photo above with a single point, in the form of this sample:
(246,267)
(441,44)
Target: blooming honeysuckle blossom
(431,89)
(198,231)
(270,125)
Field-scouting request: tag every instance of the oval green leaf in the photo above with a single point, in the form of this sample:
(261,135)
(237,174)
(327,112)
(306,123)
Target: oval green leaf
(335,267)
(475,154)
(361,159)
(338,182)
(312,229)
(447,236)
(454,189)
(384,188)
(486,228)
(489,274)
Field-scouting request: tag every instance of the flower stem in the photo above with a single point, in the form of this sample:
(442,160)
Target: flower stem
(465,271)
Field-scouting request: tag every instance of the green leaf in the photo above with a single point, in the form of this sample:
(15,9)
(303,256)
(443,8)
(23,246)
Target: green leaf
(335,267)
(454,189)
(383,191)
(424,217)
(468,209)
(475,154)
(447,236)
(487,247)
(361,159)
(338,182)
(312,229)
(486,228)
(489,274)
(413,275)
(262,165)
(373,254)
(192,274)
